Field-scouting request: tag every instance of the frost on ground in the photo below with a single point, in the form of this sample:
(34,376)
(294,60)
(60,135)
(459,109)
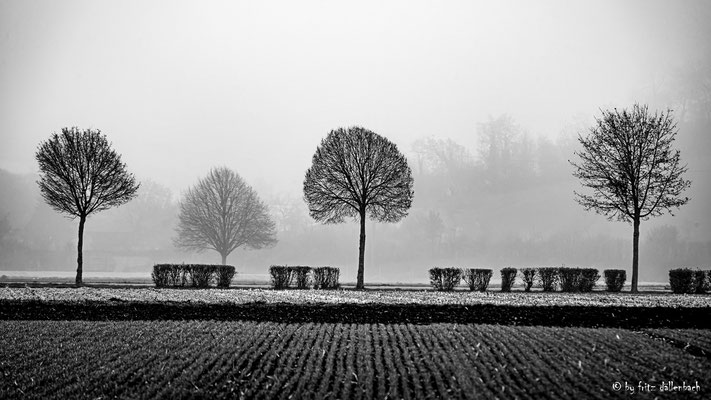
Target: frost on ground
(245,296)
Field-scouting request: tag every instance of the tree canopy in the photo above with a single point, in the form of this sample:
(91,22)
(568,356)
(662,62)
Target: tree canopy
(222,213)
(357,173)
(80,174)
(632,169)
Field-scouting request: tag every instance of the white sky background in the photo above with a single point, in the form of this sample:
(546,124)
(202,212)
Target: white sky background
(180,87)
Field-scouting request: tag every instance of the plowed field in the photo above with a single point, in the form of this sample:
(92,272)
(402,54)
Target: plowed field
(263,359)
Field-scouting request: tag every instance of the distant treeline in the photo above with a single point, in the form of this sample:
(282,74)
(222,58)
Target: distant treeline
(506,202)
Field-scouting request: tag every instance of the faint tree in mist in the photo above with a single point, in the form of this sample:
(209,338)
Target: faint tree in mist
(506,154)
(634,173)
(152,207)
(445,155)
(290,214)
(355,172)
(663,246)
(222,213)
(79,175)
(150,219)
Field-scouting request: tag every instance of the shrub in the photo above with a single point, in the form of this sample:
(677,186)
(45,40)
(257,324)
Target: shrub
(169,275)
(281,276)
(445,278)
(326,278)
(681,280)
(578,279)
(160,275)
(198,275)
(201,275)
(701,281)
(529,276)
(549,278)
(588,279)
(615,279)
(508,277)
(477,279)
(176,275)
(568,279)
(686,280)
(225,273)
(301,276)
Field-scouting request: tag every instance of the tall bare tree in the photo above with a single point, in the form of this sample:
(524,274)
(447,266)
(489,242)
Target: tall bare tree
(355,172)
(222,213)
(80,174)
(634,173)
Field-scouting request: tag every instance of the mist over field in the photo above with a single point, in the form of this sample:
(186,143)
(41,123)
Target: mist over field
(486,101)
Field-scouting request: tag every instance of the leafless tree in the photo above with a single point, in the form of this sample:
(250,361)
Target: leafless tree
(80,174)
(441,156)
(634,173)
(506,154)
(222,213)
(355,172)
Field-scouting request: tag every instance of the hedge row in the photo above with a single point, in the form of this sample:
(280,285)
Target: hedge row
(300,277)
(615,279)
(578,279)
(445,278)
(686,280)
(193,275)
(477,279)
(569,279)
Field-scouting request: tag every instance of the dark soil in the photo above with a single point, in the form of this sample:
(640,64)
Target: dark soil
(564,316)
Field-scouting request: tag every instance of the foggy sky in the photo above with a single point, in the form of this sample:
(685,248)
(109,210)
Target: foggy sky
(180,87)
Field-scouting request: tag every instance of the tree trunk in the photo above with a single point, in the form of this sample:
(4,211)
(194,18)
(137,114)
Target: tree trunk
(80,245)
(635,254)
(361,252)
(224,258)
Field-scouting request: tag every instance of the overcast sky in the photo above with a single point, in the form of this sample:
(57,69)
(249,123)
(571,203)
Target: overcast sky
(180,87)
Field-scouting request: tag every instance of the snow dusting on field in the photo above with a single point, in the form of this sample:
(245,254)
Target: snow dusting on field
(246,296)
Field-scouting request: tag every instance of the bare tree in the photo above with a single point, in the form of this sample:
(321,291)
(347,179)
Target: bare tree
(81,174)
(628,162)
(355,172)
(441,155)
(223,213)
(506,154)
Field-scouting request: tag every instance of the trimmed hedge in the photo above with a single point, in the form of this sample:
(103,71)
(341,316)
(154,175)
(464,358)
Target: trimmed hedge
(194,275)
(445,279)
(548,277)
(281,276)
(568,279)
(301,276)
(477,279)
(703,281)
(201,275)
(589,279)
(615,279)
(224,276)
(686,280)
(578,279)
(529,277)
(508,277)
(326,278)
